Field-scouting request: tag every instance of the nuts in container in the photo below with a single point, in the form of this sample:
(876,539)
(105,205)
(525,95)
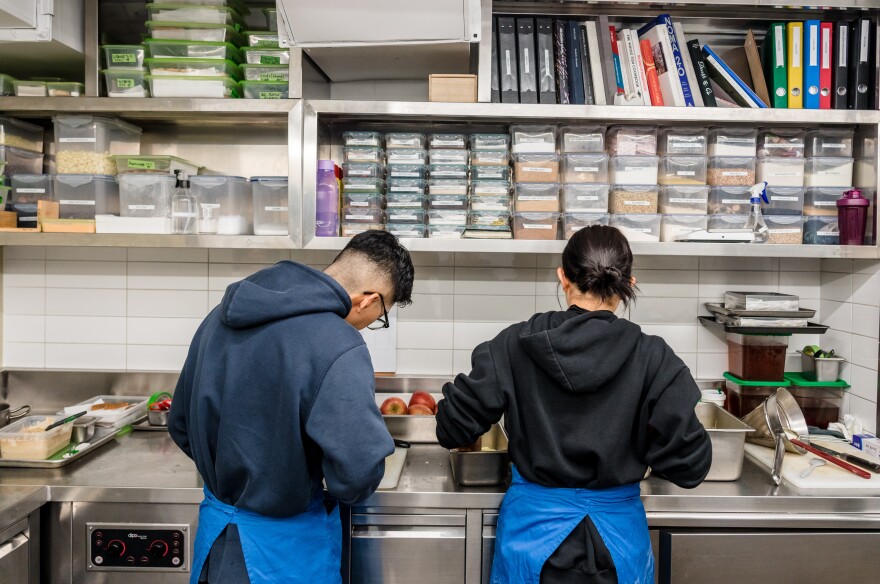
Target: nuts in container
(633,199)
(729,201)
(781,143)
(632,141)
(731,171)
(682,170)
(542,168)
(785,229)
(84,162)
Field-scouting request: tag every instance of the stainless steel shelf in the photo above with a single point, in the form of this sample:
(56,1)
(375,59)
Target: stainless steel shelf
(138,240)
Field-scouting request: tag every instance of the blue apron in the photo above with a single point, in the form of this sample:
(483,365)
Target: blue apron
(303,549)
(534,520)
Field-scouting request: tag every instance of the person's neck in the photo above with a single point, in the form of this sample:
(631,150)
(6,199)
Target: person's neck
(591,304)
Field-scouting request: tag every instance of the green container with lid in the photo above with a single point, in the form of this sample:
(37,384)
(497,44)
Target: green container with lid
(266,56)
(265,89)
(256,72)
(124,56)
(194,67)
(171,49)
(797,379)
(195,31)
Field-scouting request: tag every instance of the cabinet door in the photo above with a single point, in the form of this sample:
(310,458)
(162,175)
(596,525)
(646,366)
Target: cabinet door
(405,549)
(14,559)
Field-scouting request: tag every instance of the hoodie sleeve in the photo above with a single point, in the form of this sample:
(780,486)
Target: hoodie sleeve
(345,422)
(678,445)
(178,428)
(471,403)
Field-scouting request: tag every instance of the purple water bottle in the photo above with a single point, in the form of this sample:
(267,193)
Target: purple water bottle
(327,205)
(852,217)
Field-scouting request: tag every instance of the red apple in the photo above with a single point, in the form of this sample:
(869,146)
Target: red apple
(420,410)
(423,398)
(393,406)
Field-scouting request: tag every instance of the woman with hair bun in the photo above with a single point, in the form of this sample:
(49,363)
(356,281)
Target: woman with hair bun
(589,403)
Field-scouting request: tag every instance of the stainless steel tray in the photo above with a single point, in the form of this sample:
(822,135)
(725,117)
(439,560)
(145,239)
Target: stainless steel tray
(716,308)
(145,426)
(479,469)
(102,436)
(415,429)
(728,436)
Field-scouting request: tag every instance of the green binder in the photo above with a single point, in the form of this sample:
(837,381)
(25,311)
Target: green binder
(774,65)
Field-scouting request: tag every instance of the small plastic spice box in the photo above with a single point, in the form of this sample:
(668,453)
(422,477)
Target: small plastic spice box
(265,56)
(481,188)
(634,170)
(126,83)
(574,222)
(821,230)
(447,141)
(447,217)
(256,72)
(781,143)
(162,49)
(677,227)
(785,229)
(729,201)
(363,170)
(448,171)
(583,139)
(728,222)
(536,226)
(447,156)
(684,200)
(784,201)
(493,158)
(406,229)
(536,197)
(633,199)
(781,172)
(436,231)
(397,200)
(682,170)
(363,201)
(352,229)
(757,357)
(541,168)
(124,56)
(363,154)
(82,196)
(490,220)
(406,141)
(830,142)
(828,172)
(145,195)
(374,139)
(446,186)
(405,215)
(822,200)
(632,141)
(406,155)
(490,172)
(731,171)
(491,203)
(684,141)
(584,168)
(405,170)
(265,89)
(193,32)
(586,198)
(638,227)
(353,184)
(533,139)
(362,215)
(733,141)
(490,142)
(406,185)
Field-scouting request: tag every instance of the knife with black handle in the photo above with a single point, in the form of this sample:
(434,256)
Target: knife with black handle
(856,460)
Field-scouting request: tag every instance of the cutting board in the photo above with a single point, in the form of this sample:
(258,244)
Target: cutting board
(393,468)
(829,476)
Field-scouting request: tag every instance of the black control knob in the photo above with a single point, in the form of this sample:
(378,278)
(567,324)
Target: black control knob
(116,548)
(158,549)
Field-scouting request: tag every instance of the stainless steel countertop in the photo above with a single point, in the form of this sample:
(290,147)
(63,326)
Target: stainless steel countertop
(147,467)
(16,503)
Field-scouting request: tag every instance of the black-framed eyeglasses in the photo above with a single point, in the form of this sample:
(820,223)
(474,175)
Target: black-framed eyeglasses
(383,320)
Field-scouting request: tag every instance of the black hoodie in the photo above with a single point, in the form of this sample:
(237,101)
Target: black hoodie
(589,402)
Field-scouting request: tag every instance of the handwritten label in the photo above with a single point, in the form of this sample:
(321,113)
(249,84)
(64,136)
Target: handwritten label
(270,95)
(534,226)
(273,76)
(270,60)
(141,164)
(142,207)
(123,58)
(81,202)
(586,169)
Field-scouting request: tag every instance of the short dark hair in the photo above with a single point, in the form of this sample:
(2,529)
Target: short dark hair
(598,260)
(384,250)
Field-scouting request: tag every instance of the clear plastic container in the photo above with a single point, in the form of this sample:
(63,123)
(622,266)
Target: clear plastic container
(271,15)
(490,158)
(145,195)
(638,227)
(781,143)
(363,154)
(536,197)
(633,199)
(731,171)
(821,230)
(124,56)
(533,139)
(490,142)
(781,171)
(86,144)
(682,170)
(632,141)
(574,222)
(352,229)
(262,38)
(27,88)
(584,168)
(822,200)
(183,86)
(456,157)
(405,215)
(363,170)
(490,173)
(733,141)
(197,13)
(403,170)
(446,217)
(30,188)
(448,171)
(447,141)
(354,184)
(586,198)
(406,155)
(865,173)
(265,56)
(172,49)
(265,72)
(405,141)
(784,201)
(757,357)
(729,201)
(491,203)
(444,186)
(26,439)
(677,227)
(374,139)
(830,142)
(18,161)
(536,226)
(406,230)
(19,134)
(785,229)
(126,83)
(226,197)
(265,89)
(682,141)
(445,231)
(406,185)
(7,85)
(153,163)
(65,89)
(583,139)
(193,32)
(728,222)
(828,172)
(448,202)
(362,215)
(634,170)
(395,200)
(480,188)
(82,196)
(543,168)
(194,68)
(363,201)
(684,200)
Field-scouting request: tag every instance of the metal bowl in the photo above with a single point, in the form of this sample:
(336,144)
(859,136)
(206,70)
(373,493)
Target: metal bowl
(157,417)
(83,429)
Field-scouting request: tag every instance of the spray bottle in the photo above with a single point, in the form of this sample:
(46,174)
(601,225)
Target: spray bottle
(755,222)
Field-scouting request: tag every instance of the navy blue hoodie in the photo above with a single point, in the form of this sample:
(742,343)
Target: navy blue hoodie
(277,393)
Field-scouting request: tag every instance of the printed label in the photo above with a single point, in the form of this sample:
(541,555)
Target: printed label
(863,42)
(490,190)
(783,173)
(735,201)
(141,164)
(360,217)
(405,190)
(586,169)
(446,203)
(209,205)
(814,45)
(832,172)
(686,173)
(28,219)
(270,95)
(786,199)
(507,63)
(357,187)
(368,156)
(796,59)
(682,145)
(536,198)
(526,57)
(825,203)
(734,140)
(362,142)
(405,204)
(358,204)
(273,76)
(533,226)
(826,48)
(126,83)
(639,229)
(77,140)
(123,58)
(395,158)
(81,202)
(407,217)
(637,203)
(587,198)
(270,60)
(181,214)
(456,173)
(792,146)
(734,173)
(784,230)
(842,44)
(38,191)
(583,138)
(142,207)
(489,158)
(780,47)
(405,174)
(835,146)
(680,200)
(537,169)
(357,172)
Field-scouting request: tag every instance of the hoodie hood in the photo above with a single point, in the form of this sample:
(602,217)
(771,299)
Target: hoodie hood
(581,351)
(285,290)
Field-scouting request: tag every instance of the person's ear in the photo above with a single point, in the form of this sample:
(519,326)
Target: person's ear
(566,283)
(632,282)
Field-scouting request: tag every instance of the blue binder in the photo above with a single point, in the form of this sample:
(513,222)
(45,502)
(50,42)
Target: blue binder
(812,51)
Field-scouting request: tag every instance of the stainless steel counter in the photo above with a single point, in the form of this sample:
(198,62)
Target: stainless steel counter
(148,468)
(16,503)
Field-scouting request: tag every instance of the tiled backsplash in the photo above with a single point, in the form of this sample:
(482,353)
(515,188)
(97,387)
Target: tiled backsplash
(137,309)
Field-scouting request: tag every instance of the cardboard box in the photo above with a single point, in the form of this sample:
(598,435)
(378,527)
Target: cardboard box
(452,88)
(867,443)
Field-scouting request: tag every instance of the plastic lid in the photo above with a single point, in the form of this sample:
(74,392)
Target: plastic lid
(799,380)
(326,165)
(259,178)
(853,198)
(731,377)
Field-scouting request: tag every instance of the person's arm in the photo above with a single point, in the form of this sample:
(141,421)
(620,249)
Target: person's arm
(345,422)
(177,427)
(471,403)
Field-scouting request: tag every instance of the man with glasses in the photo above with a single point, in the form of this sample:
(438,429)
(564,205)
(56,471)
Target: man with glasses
(277,396)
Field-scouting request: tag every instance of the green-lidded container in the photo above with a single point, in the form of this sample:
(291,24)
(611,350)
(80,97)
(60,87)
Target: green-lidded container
(797,379)
(153,164)
(265,89)
(194,68)
(65,89)
(170,49)
(819,400)
(262,38)
(265,72)
(124,56)
(28,88)
(266,56)
(7,85)
(125,82)
(744,396)
(197,13)
(195,31)
(189,86)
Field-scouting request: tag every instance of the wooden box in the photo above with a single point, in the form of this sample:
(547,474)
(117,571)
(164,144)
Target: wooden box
(452,88)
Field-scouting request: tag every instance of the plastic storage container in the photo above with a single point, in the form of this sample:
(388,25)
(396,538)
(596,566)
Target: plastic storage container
(405,215)
(490,142)
(729,201)
(262,38)
(352,229)
(447,141)
(270,205)
(26,88)
(171,49)
(448,202)
(265,56)
(574,222)
(448,171)
(785,229)
(728,222)
(369,215)
(586,198)
(26,439)
(676,227)
(757,357)
(27,190)
(7,85)
(126,83)
(822,200)
(682,170)
(265,72)
(632,141)
(124,56)
(743,396)
(480,188)
(153,163)
(271,15)
(820,401)
(406,141)
(145,195)
(457,218)
(86,144)
(582,139)
(490,158)
(402,170)
(584,168)
(542,168)
(448,186)
(733,141)
(183,86)
(363,200)
(406,155)
(682,141)
(731,171)
(536,226)
(821,230)
(830,142)
(634,170)
(363,170)
(19,134)
(638,227)
(781,172)
(781,143)
(632,199)
(533,139)
(491,203)
(406,185)
(373,139)
(784,201)
(490,173)
(363,154)
(541,197)
(82,196)
(228,199)
(447,156)
(18,161)
(492,220)
(265,89)
(354,184)
(684,200)
(197,13)
(406,230)
(65,89)
(193,32)
(194,68)
(828,172)
(445,231)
